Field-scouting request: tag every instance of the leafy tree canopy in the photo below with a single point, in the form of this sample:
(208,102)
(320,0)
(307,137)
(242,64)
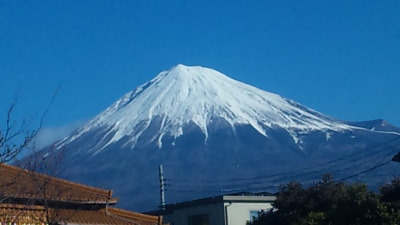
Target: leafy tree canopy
(328,202)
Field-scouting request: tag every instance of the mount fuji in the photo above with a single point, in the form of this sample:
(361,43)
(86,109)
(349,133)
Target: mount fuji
(214,135)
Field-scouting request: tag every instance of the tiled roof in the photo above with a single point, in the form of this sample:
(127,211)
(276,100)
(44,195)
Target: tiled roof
(31,198)
(22,214)
(20,183)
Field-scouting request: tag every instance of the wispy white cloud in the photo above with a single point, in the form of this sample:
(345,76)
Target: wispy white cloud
(48,135)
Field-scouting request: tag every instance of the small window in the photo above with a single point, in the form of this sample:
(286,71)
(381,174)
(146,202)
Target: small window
(202,219)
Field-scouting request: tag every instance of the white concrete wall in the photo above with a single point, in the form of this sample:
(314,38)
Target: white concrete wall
(180,216)
(239,213)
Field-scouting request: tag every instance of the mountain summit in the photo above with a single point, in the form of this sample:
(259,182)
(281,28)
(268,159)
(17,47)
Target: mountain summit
(212,133)
(197,95)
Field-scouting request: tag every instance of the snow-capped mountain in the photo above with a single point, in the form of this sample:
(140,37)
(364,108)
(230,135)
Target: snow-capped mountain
(197,95)
(202,125)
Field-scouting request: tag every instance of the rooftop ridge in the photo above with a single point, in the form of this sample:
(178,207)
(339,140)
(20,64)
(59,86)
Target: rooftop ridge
(94,190)
(22,206)
(132,215)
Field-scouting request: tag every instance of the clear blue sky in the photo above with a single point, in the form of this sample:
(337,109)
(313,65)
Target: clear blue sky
(341,58)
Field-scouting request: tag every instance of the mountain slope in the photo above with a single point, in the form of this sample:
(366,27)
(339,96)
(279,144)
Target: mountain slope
(202,125)
(198,95)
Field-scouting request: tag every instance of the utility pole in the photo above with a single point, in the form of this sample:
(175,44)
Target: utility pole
(162,188)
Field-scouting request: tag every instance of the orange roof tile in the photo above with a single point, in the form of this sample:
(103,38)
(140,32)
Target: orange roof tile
(20,214)
(20,183)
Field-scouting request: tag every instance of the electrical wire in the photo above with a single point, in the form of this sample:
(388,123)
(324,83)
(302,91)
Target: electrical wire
(307,173)
(324,164)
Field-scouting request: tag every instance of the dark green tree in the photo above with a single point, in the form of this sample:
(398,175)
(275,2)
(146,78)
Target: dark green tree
(390,197)
(334,203)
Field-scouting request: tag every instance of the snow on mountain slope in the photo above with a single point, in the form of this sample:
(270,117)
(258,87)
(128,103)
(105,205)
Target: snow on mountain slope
(202,125)
(196,94)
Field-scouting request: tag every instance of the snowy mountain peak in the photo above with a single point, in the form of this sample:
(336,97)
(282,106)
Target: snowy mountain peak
(201,124)
(197,95)
(183,70)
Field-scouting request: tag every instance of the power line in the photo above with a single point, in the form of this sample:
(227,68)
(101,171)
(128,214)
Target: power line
(365,171)
(233,190)
(312,169)
(205,186)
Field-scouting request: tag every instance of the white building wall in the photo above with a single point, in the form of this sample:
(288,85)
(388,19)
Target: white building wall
(215,212)
(228,210)
(238,213)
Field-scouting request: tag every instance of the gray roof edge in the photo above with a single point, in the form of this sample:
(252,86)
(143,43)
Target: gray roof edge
(239,198)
